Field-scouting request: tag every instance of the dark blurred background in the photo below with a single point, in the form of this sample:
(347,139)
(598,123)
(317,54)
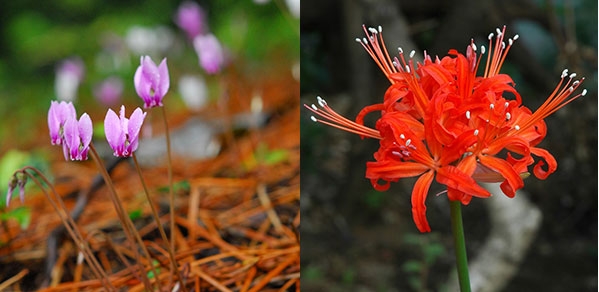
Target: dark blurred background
(358,239)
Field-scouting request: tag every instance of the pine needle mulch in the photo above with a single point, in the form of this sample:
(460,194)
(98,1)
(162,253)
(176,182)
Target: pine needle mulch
(237,214)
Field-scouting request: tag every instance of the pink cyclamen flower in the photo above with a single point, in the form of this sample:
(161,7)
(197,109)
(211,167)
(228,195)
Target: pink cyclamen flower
(210,53)
(190,18)
(121,133)
(69,74)
(77,136)
(58,114)
(151,81)
(16,181)
(109,91)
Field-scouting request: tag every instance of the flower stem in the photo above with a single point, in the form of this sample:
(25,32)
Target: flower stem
(460,245)
(171,254)
(170,190)
(128,227)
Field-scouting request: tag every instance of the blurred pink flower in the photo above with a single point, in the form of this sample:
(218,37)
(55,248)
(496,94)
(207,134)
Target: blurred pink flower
(109,91)
(69,75)
(210,53)
(190,18)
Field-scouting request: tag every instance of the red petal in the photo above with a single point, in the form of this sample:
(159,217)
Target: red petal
(452,177)
(389,169)
(418,198)
(551,163)
(506,170)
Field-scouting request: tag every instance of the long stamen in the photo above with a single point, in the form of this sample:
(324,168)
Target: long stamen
(561,96)
(333,119)
(377,52)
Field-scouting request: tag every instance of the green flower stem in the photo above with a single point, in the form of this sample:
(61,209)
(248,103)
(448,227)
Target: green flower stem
(460,245)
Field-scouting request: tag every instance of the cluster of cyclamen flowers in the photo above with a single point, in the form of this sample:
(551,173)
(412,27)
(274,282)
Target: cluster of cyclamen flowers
(440,120)
(75,135)
(191,19)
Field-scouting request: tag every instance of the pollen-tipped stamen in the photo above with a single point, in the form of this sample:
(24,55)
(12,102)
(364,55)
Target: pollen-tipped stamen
(333,119)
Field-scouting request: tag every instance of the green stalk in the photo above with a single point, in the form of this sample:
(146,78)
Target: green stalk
(460,245)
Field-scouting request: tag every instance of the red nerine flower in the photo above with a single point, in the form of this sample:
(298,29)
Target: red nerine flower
(441,121)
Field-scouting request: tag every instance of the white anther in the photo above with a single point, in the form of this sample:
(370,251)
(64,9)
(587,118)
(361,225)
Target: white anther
(407,68)
(564,73)
(408,142)
(584,92)
(372,30)
(516,37)
(364,40)
(321,101)
(572,75)
(498,32)
(314,107)
(400,50)
(517,127)
(510,41)
(508,116)
(483,50)
(492,106)
(473,47)
(380,28)
(394,64)
(396,153)
(358,40)
(502,45)
(402,136)
(412,53)
(468,114)
(313,119)
(491,35)
(570,89)
(575,83)
(506,104)
(476,132)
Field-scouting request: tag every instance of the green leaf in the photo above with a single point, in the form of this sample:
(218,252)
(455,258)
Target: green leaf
(21,214)
(270,157)
(375,199)
(99,131)
(432,252)
(312,273)
(412,266)
(178,186)
(135,214)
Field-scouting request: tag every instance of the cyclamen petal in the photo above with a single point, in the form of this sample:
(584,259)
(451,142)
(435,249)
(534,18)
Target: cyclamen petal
(58,113)
(113,131)
(78,135)
(122,133)
(151,81)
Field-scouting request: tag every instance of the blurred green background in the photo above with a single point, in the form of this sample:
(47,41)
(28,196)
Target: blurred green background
(36,35)
(109,37)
